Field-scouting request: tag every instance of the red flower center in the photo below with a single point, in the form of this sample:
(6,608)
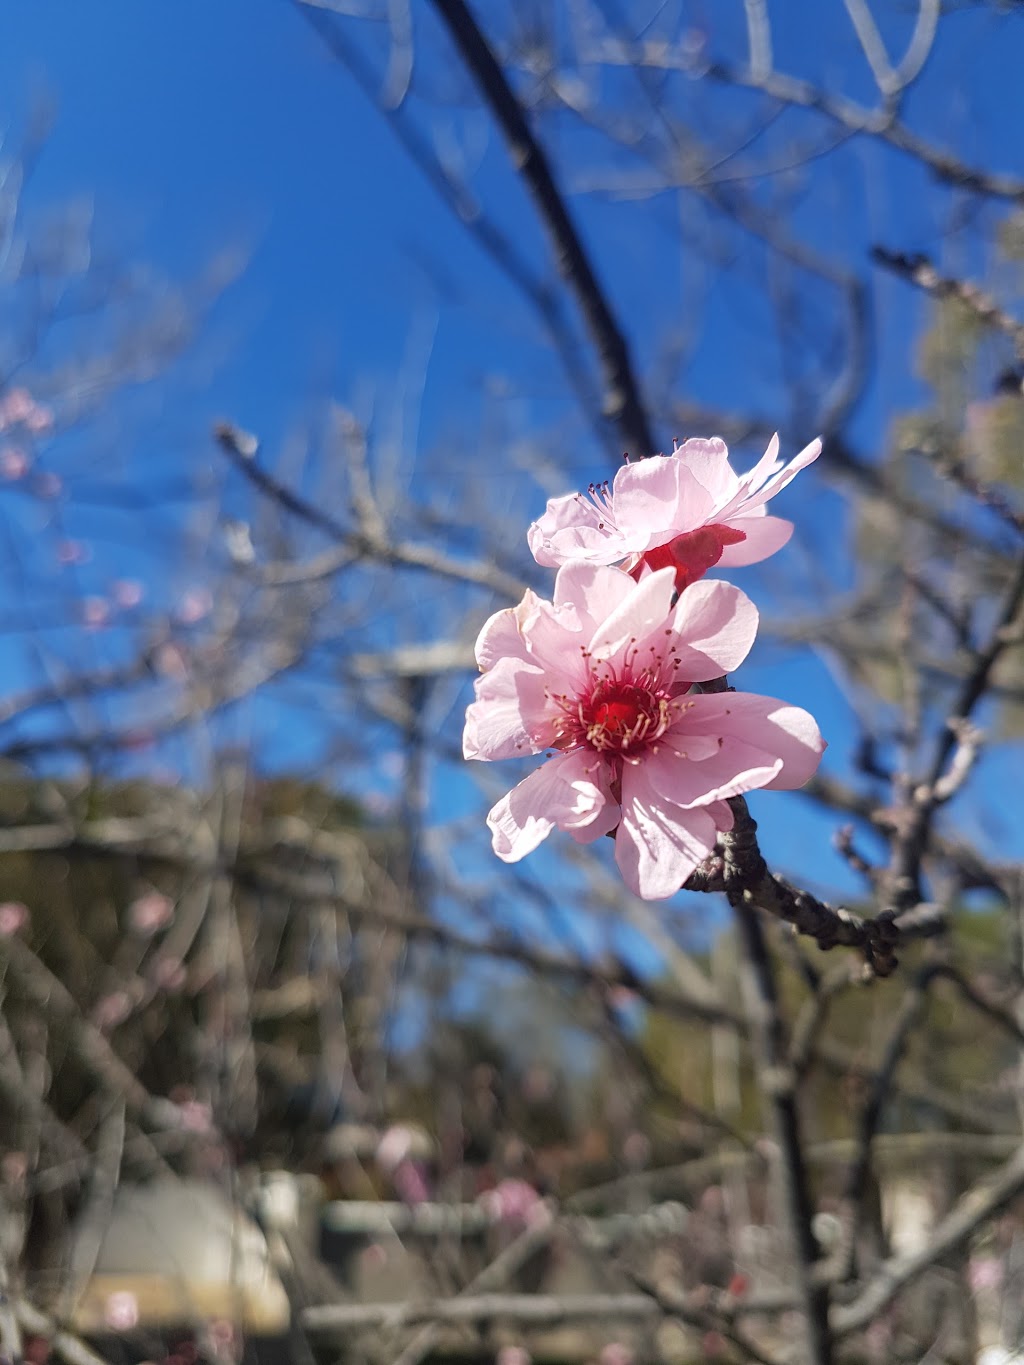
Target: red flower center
(622,715)
(617,716)
(692,553)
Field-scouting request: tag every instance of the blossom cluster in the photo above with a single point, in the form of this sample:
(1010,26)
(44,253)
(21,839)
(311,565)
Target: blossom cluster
(606,676)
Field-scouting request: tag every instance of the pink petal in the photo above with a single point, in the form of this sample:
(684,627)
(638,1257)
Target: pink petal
(765,467)
(502,634)
(644,495)
(644,609)
(778,481)
(657,498)
(563,793)
(764,535)
(708,461)
(658,845)
(573,527)
(735,767)
(721,813)
(593,591)
(785,732)
(715,626)
(510,716)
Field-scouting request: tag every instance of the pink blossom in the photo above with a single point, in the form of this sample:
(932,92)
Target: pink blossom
(616,1353)
(511,1201)
(687,510)
(513,1355)
(72,552)
(13,463)
(150,912)
(602,675)
(39,420)
(196,1116)
(195,604)
(394,1147)
(111,1010)
(121,1311)
(410,1182)
(17,405)
(95,612)
(127,593)
(13,918)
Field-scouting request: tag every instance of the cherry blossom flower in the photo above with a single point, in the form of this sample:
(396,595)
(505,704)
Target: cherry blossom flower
(16,406)
(512,1201)
(121,1311)
(602,675)
(14,917)
(687,510)
(195,605)
(128,593)
(149,913)
(13,463)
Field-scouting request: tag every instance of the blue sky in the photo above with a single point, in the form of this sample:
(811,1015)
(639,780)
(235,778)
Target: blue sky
(210,126)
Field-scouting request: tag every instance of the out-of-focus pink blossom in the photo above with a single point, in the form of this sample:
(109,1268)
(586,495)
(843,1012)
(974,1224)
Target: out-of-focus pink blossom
(14,1168)
(513,1355)
(150,912)
(196,1116)
(985,1273)
(13,918)
(394,1146)
(40,420)
(121,1311)
(410,1181)
(72,552)
(687,511)
(602,676)
(195,605)
(170,661)
(36,1350)
(222,1336)
(14,463)
(127,593)
(616,1353)
(95,612)
(511,1201)
(111,1010)
(17,405)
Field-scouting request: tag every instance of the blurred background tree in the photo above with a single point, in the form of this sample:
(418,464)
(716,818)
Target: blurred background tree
(253,938)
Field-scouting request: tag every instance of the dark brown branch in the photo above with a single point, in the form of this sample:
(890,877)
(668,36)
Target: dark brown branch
(778,1085)
(622,403)
(741,871)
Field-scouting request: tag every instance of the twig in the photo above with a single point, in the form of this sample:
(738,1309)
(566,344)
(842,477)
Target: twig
(71,1349)
(622,403)
(741,871)
(535,1310)
(918,270)
(980,1203)
(778,1085)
